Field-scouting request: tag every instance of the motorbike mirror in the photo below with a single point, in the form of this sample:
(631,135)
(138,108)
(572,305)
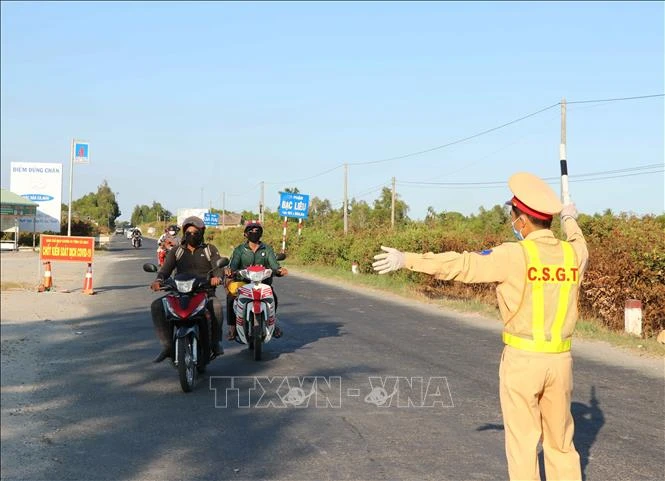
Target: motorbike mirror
(281,256)
(223,262)
(150,267)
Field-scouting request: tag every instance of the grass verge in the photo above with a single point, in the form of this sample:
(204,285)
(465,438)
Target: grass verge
(15,286)
(589,329)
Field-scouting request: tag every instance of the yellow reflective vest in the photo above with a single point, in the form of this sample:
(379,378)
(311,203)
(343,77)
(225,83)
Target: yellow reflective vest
(546,318)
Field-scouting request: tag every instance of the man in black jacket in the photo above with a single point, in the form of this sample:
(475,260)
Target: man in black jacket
(195,257)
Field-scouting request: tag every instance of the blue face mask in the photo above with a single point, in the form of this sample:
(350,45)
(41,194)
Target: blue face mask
(518,234)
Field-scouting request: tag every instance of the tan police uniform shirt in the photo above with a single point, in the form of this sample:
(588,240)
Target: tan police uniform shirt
(505,264)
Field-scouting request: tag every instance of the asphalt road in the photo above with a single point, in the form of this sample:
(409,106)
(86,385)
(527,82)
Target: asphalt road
(359,387)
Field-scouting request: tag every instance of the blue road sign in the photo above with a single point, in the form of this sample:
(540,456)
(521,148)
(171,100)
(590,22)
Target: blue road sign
(293,205)
(211,219)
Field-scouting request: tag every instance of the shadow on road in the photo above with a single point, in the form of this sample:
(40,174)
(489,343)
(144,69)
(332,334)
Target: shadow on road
(103,400)
(589,420)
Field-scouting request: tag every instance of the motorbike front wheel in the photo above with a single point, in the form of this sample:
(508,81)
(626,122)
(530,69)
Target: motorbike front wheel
(186,367)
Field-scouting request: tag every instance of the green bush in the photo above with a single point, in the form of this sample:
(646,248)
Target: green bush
(627,257)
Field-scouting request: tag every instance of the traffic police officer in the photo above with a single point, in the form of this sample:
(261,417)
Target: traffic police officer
(539,279)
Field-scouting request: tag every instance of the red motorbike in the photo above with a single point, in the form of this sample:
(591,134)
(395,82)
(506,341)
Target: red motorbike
(186,306)
(163,249)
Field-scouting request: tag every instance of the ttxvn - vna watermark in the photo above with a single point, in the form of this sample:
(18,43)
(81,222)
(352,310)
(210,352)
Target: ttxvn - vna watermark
(330,392)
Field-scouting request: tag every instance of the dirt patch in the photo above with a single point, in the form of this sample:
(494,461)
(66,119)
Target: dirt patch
(28,319)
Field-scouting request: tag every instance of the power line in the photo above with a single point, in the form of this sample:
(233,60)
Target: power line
(627,172)
(617,171)
(470,137)
(369,190)
(620,176)
(619,99)
(459,140)
(243,193)
(305,178)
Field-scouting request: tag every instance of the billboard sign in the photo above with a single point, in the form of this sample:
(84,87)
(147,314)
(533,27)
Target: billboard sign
(42,184)
(184,213)
(293,205)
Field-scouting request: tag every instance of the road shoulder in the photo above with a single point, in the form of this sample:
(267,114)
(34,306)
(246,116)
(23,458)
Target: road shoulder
(598,351)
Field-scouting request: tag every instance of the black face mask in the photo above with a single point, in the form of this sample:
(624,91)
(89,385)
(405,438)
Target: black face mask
(254,237)
(194,239)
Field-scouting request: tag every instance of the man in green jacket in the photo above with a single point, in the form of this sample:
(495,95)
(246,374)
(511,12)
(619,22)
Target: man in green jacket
(252,253)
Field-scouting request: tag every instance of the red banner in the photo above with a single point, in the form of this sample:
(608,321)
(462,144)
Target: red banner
(63,248)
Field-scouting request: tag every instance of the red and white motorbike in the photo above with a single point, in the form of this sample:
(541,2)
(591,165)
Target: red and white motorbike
(254,308)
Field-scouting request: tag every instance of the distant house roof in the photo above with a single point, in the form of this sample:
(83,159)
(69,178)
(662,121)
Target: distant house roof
(14,204)
(230,218)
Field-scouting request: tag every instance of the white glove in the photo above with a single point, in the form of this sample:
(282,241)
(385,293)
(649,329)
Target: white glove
(388,261)
(569,210)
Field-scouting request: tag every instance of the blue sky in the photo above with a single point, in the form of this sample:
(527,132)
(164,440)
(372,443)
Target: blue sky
(184,101)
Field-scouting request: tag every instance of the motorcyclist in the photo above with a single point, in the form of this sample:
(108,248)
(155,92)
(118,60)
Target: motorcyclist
(252,252)
(166,241)
(195,257)
(136,234)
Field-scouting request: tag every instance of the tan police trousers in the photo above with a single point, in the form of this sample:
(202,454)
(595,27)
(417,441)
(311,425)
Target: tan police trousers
(535,392)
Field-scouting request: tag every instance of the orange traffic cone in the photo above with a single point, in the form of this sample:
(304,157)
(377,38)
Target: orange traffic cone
(48,280)
(87,282)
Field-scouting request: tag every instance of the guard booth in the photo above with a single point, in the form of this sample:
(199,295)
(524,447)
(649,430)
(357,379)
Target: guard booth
(13,206)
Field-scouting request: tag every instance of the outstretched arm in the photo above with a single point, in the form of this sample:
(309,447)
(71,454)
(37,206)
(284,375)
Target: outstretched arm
(470,267)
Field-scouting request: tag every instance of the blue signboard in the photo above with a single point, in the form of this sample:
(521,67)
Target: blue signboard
(81,152)
(211,219)
(293,205)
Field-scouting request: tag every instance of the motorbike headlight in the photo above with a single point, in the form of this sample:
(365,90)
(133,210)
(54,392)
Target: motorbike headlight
(260,275)
(185,286)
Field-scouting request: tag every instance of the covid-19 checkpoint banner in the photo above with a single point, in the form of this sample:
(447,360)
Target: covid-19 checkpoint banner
(42,184)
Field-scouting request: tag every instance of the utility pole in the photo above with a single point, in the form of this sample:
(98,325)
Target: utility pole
(223,208)
(392,208)
(346,201)
(71,181)
(261,203)
(565,198)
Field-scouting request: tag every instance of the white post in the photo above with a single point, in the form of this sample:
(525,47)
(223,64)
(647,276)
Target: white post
(71,180)
(284,235)
(299,227)
(633,317)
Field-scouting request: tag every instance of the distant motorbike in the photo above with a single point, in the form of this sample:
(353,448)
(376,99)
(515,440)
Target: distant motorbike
(254,309)
(163,249)
(136,241)
(186,306)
